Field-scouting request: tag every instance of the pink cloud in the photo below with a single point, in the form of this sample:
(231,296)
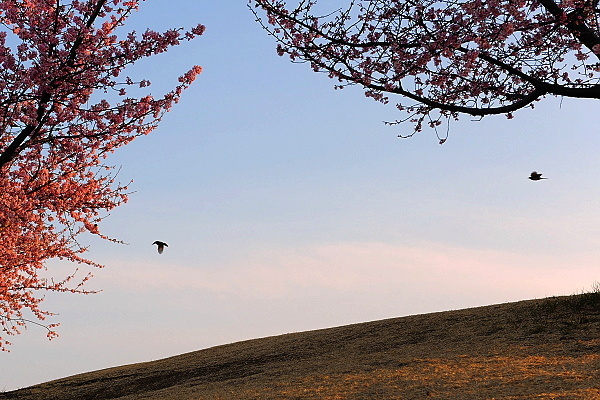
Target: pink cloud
(363,267)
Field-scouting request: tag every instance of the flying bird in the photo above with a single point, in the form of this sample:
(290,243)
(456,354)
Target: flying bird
(536,176)
(161,246)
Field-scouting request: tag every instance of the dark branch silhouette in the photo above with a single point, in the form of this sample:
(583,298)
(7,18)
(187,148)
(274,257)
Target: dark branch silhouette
(445,58)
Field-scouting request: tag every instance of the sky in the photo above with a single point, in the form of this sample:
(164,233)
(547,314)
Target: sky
(290,206)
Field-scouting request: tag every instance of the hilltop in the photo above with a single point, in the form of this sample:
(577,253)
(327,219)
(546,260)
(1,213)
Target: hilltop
(535,349)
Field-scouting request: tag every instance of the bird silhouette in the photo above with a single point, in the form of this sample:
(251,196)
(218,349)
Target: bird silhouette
(161,246)
(536,176)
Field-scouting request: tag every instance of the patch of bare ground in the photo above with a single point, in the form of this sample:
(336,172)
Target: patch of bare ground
(537,349)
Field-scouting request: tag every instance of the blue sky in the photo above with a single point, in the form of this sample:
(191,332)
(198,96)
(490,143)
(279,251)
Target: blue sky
(289,206)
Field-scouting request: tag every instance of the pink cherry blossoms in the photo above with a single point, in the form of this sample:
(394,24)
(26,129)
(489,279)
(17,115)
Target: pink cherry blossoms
(445,58)
(64,108)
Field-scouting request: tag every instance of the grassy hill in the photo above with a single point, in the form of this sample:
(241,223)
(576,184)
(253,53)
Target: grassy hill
(537,349)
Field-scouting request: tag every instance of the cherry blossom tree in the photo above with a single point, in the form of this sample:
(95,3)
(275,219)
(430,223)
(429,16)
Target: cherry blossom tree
(64,107)
(445,58)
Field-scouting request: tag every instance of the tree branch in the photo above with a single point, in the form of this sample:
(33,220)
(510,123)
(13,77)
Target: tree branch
(578,28)
(14,148)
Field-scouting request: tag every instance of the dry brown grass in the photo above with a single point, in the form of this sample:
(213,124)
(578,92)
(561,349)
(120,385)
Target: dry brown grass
(538,349)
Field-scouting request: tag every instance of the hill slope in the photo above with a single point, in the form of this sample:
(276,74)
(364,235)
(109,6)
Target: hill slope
(537,349)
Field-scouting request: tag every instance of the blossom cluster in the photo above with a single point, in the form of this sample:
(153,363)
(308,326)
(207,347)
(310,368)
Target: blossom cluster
(446,57)
(63,109)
